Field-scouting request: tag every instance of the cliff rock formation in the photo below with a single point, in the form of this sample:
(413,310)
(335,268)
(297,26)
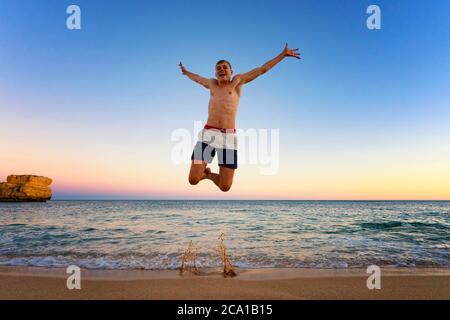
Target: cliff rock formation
(25,188)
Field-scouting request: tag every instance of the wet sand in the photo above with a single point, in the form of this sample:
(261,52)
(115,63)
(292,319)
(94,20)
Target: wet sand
(278,283)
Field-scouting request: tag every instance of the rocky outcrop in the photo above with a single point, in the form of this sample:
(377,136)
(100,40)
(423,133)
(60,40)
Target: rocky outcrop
(25,188)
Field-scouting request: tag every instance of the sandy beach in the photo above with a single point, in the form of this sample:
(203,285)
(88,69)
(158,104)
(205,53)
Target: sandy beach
(46,283)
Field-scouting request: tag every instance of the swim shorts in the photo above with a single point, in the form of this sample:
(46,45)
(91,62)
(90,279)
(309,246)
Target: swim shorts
(212,140)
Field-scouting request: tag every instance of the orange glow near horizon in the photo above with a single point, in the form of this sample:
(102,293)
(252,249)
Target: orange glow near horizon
(142,169)
(248,184)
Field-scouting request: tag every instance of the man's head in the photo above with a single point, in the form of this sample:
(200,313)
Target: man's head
(223,70)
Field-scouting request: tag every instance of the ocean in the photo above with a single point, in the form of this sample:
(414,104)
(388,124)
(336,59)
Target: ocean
(258,234)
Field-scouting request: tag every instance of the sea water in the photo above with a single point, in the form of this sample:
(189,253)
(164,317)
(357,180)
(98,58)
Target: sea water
(154,234)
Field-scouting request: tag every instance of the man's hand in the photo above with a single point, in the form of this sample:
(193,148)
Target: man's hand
(194,77)
(291,52)
(253,74)
(183,69)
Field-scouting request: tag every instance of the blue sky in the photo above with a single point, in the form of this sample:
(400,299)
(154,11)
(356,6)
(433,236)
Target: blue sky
(116,81)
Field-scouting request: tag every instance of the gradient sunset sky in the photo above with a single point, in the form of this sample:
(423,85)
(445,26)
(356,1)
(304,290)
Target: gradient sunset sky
(365,115)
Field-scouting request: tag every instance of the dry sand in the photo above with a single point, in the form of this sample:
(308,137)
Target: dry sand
(42,283)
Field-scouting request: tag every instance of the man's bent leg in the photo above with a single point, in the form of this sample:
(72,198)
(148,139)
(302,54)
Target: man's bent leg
(197,171)
(224,179)
(201,156)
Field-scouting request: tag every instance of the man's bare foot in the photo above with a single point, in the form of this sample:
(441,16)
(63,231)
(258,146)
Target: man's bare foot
(206,173)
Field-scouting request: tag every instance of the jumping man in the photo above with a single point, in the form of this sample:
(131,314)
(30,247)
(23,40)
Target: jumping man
(219,134)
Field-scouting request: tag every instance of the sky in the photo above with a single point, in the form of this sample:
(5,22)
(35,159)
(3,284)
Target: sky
(364,115)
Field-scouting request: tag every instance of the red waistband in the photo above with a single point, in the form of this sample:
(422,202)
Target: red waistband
(224,130)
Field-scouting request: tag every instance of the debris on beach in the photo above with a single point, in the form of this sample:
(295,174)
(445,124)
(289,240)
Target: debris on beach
(228,270)
(188,260)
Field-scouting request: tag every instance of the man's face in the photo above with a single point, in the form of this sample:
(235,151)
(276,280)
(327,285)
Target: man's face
(223,71)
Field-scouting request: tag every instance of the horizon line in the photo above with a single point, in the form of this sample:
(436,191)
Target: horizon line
(362,200)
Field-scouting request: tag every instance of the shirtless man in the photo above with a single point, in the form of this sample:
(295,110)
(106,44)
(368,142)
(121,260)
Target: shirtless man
(219,134)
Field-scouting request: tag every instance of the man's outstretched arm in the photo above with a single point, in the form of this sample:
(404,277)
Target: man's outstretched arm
(255,73)
(195,77)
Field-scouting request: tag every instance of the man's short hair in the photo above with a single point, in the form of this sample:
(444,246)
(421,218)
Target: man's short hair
(222,61)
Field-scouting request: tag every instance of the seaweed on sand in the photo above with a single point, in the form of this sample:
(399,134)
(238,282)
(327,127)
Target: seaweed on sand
(228,270)
(188,260)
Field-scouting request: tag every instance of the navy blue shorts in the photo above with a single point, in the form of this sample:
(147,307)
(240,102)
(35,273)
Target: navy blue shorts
(205,152)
